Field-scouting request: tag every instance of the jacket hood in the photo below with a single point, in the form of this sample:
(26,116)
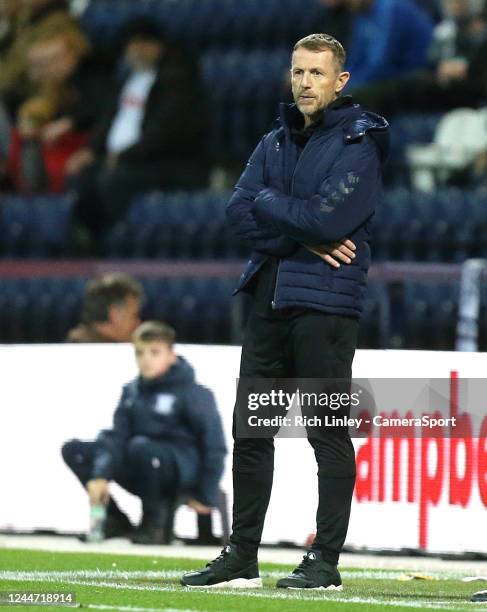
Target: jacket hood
(180,373)
(376,127)
(343,111)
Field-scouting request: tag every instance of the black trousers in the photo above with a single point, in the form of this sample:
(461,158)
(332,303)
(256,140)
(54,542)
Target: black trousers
(148,471)
(309,345)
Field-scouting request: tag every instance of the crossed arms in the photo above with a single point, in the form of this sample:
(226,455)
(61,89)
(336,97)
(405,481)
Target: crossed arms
(276,224)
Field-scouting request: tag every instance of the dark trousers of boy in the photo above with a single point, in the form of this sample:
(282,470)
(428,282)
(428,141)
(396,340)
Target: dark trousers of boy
(148,470)
(308,344)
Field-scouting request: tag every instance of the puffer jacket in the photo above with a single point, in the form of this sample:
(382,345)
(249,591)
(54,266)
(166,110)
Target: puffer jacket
(286,199)
(175,410)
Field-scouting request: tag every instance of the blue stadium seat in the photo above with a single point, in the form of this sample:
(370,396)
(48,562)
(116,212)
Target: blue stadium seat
(375,320)
(36,226)
(175,225)
(411,128)
(244,91)
(44,309)
(213,23)
(393,216)
(429,316)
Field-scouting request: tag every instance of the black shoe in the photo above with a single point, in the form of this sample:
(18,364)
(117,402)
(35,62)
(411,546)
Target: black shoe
(313,573)
(118,526)
(149,531)
(229,569)
(480,596)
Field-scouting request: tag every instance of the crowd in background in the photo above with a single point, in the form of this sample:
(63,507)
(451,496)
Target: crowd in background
(107,126)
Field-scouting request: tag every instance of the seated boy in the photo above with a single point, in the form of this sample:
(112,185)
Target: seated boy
(167,439)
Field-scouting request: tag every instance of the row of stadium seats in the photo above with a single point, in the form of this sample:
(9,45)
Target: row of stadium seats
(213,23)
(409,315)
(447,226)
(34,226)
(200,309)
(424,316)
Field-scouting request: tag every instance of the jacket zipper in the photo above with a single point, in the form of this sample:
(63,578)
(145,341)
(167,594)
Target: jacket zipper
(273,303)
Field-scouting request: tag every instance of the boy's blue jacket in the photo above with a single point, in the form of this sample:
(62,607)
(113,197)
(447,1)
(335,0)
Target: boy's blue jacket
(284,200)
(178,412)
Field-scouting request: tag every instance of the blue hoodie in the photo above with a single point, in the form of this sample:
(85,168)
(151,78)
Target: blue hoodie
(173,409)
(389,41)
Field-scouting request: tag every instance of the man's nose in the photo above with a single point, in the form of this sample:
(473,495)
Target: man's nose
(306,81)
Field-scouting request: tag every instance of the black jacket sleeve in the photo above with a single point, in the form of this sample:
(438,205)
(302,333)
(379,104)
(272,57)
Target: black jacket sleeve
(111,443)
(204,419)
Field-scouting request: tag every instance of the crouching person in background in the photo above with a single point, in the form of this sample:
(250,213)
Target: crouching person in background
(166,441)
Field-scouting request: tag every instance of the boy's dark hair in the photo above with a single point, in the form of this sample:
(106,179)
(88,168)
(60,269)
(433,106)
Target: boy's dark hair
(105,291)
(323,42)
(155,331)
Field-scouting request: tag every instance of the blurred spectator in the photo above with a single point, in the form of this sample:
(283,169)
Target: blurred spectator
(71,92)
(167,440)
(432,7)
(456,39)
(78,7)
(390,38)
(62,67)
(111,310)
(4,141)
(458,72)
(34,19)
(154,134)
(9,14)
(36,164)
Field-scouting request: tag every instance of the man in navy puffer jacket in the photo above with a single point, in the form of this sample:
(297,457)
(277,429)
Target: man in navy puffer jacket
(304,204)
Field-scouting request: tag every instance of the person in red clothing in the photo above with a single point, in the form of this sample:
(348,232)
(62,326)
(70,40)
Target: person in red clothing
(35,164)
(57,121)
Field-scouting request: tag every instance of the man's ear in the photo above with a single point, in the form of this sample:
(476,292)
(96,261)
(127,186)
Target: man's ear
(114,312)
(342,80)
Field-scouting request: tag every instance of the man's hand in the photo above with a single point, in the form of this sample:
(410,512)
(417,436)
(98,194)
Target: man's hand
(78,161)
(198,506)
(452,70)
(335,252)
(98,491)
(56,129)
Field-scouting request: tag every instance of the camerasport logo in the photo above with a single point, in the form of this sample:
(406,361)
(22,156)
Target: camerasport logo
(440,461)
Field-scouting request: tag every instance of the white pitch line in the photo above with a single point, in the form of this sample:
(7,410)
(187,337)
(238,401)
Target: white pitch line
(136,609)
(176,573)
(286,596)
(102,579)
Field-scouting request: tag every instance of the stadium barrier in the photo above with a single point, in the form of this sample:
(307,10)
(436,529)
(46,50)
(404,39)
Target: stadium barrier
(434,498)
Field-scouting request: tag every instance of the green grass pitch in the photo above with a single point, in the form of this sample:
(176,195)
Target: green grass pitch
(150,584)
